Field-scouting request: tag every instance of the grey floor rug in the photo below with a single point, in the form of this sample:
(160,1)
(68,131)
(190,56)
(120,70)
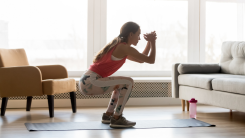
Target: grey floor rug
(97,125)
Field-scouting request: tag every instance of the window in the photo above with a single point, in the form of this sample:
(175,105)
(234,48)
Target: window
(243,21)
(168,18)
(224,24)
(71,32)
(51,31)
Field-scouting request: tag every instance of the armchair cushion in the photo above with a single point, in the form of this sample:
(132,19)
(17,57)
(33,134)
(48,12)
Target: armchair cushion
(55,86)
(198,68)
(13,57)
(20,81)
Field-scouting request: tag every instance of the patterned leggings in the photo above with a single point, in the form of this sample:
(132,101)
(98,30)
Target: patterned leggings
(93,84)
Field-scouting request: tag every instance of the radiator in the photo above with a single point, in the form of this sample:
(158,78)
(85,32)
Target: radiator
(140,90)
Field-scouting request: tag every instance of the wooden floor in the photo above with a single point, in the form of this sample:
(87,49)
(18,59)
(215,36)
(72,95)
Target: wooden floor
(12,125)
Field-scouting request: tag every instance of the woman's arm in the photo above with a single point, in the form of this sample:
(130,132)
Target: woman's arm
(148,37)
(132,52)
(134,59)
(147,48)
(145,52)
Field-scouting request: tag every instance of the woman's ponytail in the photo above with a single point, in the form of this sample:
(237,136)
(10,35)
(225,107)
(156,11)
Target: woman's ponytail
(107,48)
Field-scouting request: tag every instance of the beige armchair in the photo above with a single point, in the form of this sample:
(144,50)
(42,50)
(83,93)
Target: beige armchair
(17,78)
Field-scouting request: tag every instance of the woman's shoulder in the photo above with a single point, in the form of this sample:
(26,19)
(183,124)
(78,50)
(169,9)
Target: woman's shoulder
(121,50)
(123,46)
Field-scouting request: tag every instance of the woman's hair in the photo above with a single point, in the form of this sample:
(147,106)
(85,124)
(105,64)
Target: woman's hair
(125,30)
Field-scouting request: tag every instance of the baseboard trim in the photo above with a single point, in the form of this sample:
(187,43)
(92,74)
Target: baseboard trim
(155,101)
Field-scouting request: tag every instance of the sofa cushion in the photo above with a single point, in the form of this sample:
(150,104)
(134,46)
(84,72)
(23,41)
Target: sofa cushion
(188,68)
(203,80)
(232,59)
(235,85)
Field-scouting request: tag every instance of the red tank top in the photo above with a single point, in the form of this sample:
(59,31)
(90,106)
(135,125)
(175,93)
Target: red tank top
(106,66)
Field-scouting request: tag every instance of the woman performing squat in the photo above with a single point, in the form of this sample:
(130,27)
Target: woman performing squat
(95,80)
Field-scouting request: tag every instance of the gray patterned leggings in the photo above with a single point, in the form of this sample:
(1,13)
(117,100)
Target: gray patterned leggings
(93,84)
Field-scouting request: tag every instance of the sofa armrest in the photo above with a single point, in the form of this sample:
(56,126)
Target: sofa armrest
(53,71)
(198,68)
(20,81)
(175,84)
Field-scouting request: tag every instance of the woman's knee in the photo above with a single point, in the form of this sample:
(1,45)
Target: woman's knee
(130,79)
(116,87)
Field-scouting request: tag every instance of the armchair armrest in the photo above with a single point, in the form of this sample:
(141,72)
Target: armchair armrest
(198,68)
(53,71)
(20,81)
(175,84)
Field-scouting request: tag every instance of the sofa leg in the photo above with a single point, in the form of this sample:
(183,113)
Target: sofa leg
(28,103)
(4,105)
(187,105)
(51,105)
(230,113)
(73,101)
(183,104)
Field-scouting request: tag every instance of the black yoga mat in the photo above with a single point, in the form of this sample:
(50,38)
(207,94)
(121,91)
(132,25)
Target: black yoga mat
(97,125)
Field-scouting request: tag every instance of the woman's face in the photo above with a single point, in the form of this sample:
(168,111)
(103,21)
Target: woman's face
(134,38)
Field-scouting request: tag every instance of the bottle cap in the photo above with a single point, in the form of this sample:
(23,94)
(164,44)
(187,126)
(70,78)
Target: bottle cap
(193,100)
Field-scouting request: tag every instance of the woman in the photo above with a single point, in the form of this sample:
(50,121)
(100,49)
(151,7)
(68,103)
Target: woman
(95,80)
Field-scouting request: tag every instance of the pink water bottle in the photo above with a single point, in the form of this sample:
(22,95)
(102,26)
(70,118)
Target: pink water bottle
(193,108)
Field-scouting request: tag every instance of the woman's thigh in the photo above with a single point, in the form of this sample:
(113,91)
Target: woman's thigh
(111,81)
(93,84)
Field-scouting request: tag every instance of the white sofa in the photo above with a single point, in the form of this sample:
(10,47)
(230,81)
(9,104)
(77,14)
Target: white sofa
(221,85)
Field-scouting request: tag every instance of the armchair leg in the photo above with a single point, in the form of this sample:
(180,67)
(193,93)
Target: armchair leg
(51,105)
(28,103)
(73,101)
(183,104)
(4,105)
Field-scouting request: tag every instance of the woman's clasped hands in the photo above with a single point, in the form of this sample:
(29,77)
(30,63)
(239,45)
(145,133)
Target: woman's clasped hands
(150,36)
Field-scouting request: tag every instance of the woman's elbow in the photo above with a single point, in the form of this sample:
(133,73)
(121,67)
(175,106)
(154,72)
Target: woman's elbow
(151,62)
